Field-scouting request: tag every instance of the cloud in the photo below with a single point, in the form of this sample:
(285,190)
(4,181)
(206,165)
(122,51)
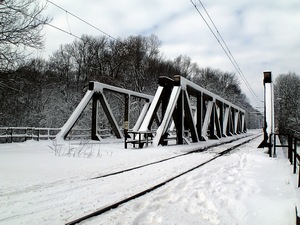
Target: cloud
(261,34)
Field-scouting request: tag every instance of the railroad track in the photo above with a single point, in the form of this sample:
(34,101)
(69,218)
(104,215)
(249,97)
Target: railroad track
(228,147)
(169,158)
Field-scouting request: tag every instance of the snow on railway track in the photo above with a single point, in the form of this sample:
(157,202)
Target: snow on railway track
(65,200)
(156,175)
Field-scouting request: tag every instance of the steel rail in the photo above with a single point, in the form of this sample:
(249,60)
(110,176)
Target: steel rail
(205,148)
(146,191)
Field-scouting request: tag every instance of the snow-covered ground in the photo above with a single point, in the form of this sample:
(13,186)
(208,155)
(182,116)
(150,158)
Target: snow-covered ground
(38,186)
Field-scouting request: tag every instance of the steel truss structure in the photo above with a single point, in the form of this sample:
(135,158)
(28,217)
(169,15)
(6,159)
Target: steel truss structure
(197,114)
(97,93)
(183,112)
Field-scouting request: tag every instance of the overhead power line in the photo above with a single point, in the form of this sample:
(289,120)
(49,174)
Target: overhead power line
(82,20)
(225,47)
(217,36)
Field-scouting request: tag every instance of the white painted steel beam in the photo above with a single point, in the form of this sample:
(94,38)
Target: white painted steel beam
(225,120)
(186,84)
(99,88)
(236,121)
(221,117)
(217,121)
(207,118)
(141,117)
(75,115)
(152,109)
(168,115)
(110,116)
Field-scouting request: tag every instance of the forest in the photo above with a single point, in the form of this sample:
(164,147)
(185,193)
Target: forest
(43,93)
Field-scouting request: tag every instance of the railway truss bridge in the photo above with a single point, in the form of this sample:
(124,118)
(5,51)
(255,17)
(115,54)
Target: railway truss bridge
(180,112)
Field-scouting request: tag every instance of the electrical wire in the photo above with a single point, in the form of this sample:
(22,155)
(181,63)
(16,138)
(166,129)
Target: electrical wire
(217,36)
(82,20)
(226,49)
(68,22)
(226,46)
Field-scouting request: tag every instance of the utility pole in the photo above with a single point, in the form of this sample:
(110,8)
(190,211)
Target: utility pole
(268,128)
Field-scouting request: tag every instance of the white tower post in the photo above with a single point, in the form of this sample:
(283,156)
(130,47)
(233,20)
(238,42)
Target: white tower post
(268,113)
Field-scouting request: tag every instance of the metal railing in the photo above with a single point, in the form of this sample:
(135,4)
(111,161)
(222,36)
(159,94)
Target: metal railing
(21,134)
(291,141)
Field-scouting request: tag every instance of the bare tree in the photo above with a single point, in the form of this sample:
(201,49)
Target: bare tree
(186,67)
(21,22)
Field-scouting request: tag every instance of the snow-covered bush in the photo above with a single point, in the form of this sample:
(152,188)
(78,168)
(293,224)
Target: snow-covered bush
(83,149)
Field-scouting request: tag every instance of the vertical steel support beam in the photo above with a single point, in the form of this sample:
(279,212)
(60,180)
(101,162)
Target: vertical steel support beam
(231,121)
(199,115)
(126,115)
(221,114)
(268,110)
(207,119)
(226,121)
(240,123)
(243,123)
(94,135)
(161,130)
(218,123)
(236,121)
(189,117)
(180,118)
(212,122)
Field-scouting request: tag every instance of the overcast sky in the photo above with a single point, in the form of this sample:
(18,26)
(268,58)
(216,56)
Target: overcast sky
(262,35)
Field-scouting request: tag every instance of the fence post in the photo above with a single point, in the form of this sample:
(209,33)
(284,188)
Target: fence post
(290,156)
(11,135)
(295,155)
(27,136)
(6,134)
(26,133)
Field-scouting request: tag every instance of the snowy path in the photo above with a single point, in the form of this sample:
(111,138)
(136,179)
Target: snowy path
(65,197)
(243,188)
(39,188)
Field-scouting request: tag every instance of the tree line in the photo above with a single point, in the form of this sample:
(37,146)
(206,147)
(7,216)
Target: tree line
(39,92)
(44,93)
(287,102)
